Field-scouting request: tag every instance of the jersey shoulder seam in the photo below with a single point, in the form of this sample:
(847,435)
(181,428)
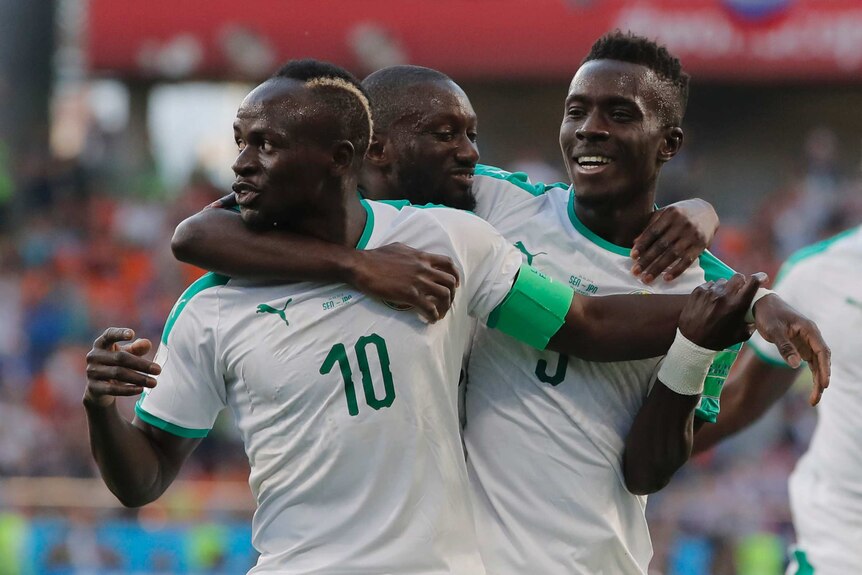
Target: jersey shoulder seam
(519,179)
(205,282)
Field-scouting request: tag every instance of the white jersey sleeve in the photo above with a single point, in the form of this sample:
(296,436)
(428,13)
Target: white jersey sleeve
(190,390)
(489,263)
(500,194)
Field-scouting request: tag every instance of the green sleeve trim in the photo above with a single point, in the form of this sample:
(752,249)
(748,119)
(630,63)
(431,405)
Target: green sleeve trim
(713,268)
(709,405)
(165,426)
(812,250)
(767,359)
(369,226)
(534,309)
(233,208)
(204,282)
(592,236)
(520,179)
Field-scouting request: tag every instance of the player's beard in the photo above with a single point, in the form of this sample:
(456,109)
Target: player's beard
(423,188)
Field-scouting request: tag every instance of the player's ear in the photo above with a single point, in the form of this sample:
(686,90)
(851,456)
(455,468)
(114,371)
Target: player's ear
(671,143)
(343,153)
(378,150)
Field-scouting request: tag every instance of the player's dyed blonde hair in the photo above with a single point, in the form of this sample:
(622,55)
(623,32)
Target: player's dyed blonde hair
(340,83)
(341,95)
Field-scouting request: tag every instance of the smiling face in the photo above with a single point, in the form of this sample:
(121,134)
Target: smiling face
(281,165)
(613,136)
(433,149)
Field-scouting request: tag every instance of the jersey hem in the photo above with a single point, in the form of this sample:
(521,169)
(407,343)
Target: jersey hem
(172,428)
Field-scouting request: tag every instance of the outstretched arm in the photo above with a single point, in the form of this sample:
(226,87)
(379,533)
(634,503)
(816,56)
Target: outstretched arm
(660,439)
(673,239)
(618,327)
(217,240)
(753,387)
(137,461)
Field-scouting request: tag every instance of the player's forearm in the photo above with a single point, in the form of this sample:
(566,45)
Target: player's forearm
(619,327)
(128,462)
(752,388)
(218,240)
(660,440)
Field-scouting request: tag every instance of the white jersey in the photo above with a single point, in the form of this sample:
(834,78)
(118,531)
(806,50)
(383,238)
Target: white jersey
(347,407)
(824,282)
(545,432)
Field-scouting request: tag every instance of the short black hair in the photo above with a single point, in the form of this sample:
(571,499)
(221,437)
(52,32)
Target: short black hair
(342,96)
(628,47)
(385,89)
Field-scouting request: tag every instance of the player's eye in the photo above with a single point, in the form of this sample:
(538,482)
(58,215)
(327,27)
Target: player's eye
(445,135)
(240,145)
(266,146)
(473,136)
(621,115)
(575,112)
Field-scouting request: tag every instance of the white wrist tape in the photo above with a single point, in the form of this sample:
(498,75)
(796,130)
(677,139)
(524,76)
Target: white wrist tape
(761,292)
(685,366)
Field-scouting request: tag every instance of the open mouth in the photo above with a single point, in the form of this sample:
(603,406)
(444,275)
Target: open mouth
(245,193)
(592,163)
(464,178)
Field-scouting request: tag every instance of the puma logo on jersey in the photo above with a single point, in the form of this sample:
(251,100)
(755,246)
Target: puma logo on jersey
(523,250)
(264,308)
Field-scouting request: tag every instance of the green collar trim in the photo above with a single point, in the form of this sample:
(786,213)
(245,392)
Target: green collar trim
(369,226)
(590,235)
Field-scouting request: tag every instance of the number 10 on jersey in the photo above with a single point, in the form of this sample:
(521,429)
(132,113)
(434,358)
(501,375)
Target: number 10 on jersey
(338,354)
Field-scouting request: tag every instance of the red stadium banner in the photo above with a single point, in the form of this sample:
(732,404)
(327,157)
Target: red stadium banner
(752,40)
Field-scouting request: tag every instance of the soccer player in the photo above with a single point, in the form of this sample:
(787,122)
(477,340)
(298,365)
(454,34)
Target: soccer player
(341,401)
(562,452)
(825,495)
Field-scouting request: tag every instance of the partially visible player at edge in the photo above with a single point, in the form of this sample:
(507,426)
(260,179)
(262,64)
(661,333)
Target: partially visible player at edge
(355,478)
(826,485)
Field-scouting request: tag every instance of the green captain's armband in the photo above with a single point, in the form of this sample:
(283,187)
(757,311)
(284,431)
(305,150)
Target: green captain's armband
(708,407)
(534,309)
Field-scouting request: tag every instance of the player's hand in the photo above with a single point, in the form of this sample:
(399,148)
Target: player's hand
(797,339)
(673,239)
(116,369)
(402,275)
(714,315)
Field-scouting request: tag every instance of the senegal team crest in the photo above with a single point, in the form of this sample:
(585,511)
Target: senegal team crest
(398,306)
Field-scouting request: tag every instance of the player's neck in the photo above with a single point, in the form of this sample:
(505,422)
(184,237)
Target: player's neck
(375,186)
(618,221)
(340,222)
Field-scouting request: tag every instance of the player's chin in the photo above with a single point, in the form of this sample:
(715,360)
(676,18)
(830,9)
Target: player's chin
(459,195)
(254,219)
